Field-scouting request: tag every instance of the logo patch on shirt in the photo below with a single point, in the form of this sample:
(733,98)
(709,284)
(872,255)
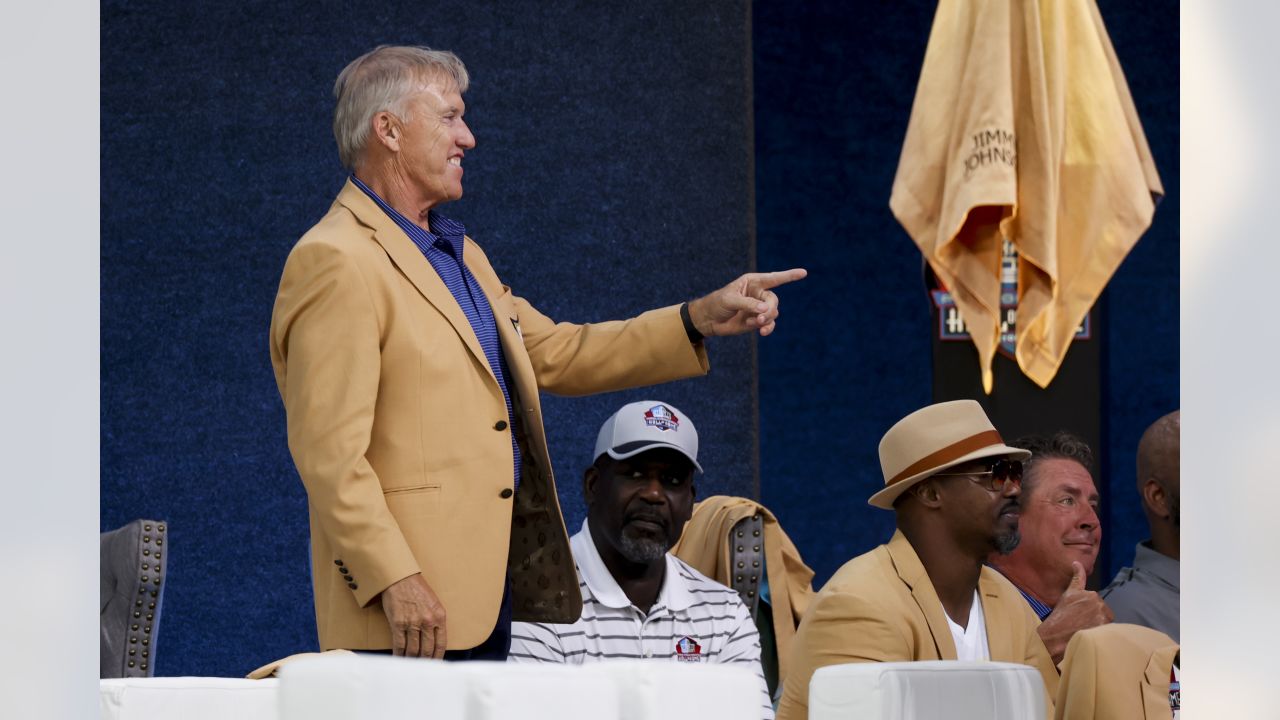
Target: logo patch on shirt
(661,417)
(688,650)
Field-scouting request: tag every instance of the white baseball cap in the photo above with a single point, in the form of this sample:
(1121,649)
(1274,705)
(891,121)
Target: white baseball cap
(646,425)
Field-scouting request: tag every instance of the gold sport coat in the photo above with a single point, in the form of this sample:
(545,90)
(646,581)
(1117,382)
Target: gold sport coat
(399,430)
(1117,672)
(881,607)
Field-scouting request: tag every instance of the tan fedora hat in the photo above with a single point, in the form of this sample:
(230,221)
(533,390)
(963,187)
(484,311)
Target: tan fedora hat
(935,438)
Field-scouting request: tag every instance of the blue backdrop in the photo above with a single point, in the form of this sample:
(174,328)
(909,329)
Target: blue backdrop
(623,157)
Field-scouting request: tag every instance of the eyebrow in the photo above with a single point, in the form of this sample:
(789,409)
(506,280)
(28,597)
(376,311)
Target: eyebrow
(1076,492)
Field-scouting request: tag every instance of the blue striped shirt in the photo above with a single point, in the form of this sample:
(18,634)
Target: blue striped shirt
(1041,610)
(442,247)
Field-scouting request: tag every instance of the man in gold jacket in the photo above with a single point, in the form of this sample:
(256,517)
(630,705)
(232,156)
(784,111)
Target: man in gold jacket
(410,378)
(927,595)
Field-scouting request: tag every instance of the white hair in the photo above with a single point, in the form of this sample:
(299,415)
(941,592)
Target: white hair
(383,79)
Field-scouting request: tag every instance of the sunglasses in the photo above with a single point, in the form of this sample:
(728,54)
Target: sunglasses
(1001,471)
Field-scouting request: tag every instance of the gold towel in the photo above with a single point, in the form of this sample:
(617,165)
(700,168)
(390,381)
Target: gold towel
(705,546)
(1023,127)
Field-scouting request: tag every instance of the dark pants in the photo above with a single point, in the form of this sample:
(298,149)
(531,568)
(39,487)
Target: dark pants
(495,647)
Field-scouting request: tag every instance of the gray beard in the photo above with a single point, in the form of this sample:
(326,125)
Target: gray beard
(641,550)
(1006,544)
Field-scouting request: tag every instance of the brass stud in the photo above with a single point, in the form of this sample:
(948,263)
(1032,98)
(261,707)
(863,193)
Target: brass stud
(756,516)
(147,629)
(150,616)
(741,564)
(739,548)
(144,666)
(146,641)
(145,566)
(130,663)
(152,606)
(146,538)
(160,528)
(159,541)
(153,592)
(133,641)
(146,551)
(133,651)
(756,533)
(156,581)
(147,528)
(751,593)
(756,549)
(157,554)
(146,653)
(139,603)
(137,614)
(755,563)
(135,627)
(739,533)
(739,579)
(755,579)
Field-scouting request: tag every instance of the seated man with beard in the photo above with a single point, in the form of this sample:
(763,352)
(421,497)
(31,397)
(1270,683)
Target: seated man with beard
(953,486)
(638,600)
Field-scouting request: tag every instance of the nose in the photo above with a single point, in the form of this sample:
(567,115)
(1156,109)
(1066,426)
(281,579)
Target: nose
(465,140)
(651,490)
(1011,489)
(1090,519)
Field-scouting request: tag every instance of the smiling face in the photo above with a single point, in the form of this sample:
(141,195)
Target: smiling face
(433,140)
(1059,518)
(638,507)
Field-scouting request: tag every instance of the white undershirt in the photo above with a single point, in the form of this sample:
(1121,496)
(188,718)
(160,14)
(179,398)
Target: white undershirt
(971,641)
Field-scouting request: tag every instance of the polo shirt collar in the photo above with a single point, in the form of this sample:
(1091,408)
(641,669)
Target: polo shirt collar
(674,594)
(1162,566)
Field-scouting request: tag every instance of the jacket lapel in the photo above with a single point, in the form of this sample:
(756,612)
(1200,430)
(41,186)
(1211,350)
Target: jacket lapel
(912,572)
(410,260)
(999,634)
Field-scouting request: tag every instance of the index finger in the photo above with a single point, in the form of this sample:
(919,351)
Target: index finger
(780,277)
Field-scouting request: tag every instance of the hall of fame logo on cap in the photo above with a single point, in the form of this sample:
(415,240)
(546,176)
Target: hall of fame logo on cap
(688,650)
(661,417)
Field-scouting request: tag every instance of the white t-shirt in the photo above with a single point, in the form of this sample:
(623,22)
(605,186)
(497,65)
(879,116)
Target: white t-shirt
(971,640)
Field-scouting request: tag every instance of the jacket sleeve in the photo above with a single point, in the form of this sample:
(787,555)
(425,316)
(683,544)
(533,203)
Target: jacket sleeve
(325,347)
(839,628)
(648,349)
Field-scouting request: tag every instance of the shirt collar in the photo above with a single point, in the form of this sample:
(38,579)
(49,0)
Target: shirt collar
(445,233)
(1042,611)
(1146,558)
(674,594)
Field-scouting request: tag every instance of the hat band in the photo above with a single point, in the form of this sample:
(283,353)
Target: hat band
(949,453)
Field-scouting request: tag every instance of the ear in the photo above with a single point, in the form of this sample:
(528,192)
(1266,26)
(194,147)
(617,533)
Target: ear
(387,130)
(927,493)
(589,478)
(1154,497)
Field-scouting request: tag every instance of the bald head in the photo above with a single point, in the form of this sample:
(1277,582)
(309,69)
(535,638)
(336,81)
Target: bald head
(1159,479)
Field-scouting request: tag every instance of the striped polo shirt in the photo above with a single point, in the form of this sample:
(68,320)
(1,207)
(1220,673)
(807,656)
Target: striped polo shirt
(695,619)
(442,247)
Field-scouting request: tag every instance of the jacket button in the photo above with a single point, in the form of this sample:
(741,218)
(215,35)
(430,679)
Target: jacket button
(506,493)
(343,571)
(352,585)
(338,563)
(500,425)
(348,578)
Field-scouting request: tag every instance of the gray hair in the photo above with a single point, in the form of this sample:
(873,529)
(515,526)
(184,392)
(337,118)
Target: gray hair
(383,79)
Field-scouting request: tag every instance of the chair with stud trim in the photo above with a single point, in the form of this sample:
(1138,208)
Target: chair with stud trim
(738,542)
(133,569)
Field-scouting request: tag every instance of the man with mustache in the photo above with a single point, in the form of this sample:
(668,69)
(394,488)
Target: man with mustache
(928,595)
(1060,539)
(638,600)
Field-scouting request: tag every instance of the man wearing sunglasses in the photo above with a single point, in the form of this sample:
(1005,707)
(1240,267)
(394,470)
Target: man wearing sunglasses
(1060,539)
(928,594)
